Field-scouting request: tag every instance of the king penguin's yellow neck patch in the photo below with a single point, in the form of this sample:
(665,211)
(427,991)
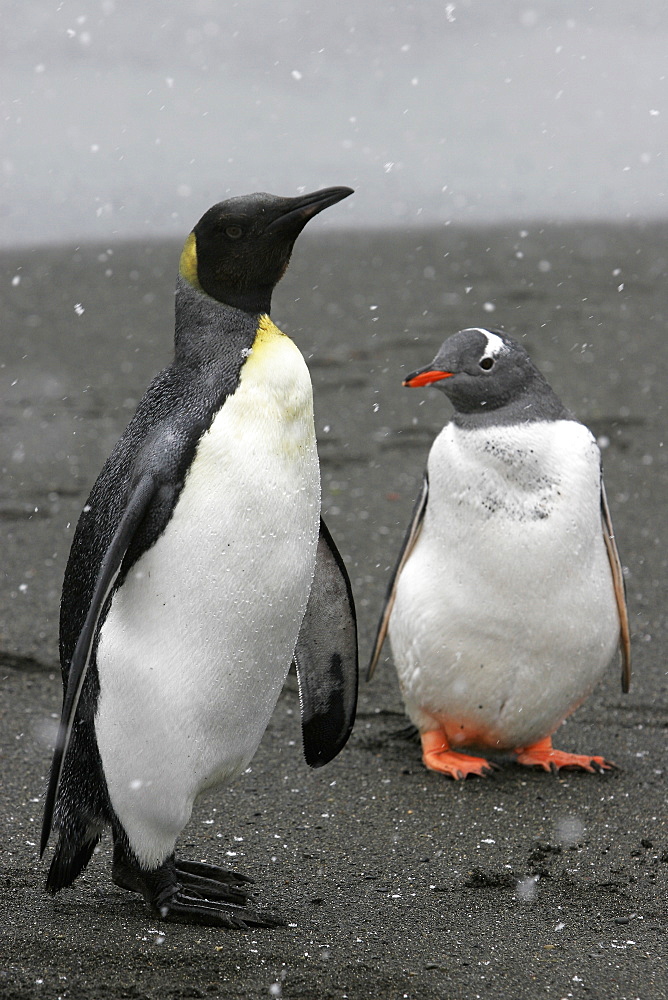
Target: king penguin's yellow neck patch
(266,328)
(188,262)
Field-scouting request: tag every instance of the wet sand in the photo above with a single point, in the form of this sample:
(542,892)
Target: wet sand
(395,882)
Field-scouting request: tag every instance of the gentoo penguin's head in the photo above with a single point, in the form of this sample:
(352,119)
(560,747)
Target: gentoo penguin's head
(482,371)
(240,248)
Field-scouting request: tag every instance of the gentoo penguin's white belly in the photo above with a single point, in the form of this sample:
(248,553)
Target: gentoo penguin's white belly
(199,639)
(505,615)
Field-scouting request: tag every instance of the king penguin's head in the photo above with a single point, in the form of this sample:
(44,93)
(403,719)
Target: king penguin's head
(240,248)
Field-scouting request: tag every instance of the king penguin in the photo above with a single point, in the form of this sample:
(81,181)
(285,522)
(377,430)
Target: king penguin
(507,601)
(200,568)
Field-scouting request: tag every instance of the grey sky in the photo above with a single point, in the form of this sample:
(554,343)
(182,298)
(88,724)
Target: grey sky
(124,119)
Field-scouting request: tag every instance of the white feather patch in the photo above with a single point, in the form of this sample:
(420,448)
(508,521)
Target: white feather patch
(199,639)
(505,614)
(495,344)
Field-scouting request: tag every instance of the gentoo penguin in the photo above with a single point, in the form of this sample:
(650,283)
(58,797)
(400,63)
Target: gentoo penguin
(199,569)
(507,601)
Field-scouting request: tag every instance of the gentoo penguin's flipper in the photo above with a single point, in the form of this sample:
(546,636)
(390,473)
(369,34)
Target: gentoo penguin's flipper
(410,539)
(620,591)
(110,567)
(326,657)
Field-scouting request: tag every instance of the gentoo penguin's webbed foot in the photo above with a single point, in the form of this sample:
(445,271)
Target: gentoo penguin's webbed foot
(191,892)
(437,755)
(542,754)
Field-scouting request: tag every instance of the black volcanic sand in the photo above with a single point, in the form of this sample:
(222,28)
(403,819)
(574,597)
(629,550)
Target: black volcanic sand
(395,882)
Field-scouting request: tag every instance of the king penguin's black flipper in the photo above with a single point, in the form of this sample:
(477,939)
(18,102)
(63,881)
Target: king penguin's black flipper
(411,537)
(326,657)
(620,590)
(137,505)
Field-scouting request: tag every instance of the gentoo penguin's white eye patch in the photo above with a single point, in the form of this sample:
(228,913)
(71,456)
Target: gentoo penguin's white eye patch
(495,344)
(486,363)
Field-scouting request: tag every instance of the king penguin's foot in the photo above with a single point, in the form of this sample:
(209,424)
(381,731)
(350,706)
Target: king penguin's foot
(437,755)
(190,892)
(542,754)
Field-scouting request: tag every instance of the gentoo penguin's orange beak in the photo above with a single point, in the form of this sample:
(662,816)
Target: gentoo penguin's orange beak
(425,377)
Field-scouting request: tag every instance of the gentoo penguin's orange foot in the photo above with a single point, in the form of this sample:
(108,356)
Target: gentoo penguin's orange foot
(542,754)
(437,756)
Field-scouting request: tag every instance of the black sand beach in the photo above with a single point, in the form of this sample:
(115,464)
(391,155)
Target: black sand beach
(397,884)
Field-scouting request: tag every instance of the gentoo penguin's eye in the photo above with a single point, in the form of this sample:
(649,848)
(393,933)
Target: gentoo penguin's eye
(486,364)
(234,232)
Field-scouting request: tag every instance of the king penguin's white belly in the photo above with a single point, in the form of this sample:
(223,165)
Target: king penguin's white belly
(505,614)
(199,639)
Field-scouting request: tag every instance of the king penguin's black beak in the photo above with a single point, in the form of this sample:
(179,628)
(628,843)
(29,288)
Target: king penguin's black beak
(294,213)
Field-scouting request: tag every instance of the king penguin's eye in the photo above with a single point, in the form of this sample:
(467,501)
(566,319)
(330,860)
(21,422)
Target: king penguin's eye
(486,363)
(234,232)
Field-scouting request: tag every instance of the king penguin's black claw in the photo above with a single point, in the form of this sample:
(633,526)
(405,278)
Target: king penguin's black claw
(191,892)
(212,872)
(184,909)
(210,889)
